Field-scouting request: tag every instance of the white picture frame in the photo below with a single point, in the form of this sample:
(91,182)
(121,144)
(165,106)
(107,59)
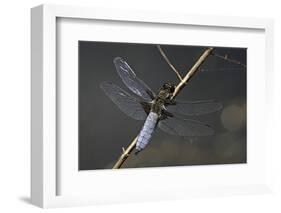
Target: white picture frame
(44,154)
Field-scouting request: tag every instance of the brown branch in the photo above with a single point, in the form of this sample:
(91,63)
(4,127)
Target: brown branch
(125,154)
(168,62)
(191,72)
(179,87)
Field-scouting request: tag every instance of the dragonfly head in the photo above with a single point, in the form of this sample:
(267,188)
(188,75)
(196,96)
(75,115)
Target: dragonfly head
(169,87)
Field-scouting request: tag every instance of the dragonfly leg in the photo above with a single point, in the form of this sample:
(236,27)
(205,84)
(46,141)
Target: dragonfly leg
(137,152)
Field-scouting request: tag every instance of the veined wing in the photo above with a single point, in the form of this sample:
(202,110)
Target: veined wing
(195,107)
(125,102)
(185,127)
(130,79)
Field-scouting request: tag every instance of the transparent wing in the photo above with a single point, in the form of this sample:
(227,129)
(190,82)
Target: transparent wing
(124,101)
(185,127)
(195,108)
(130,79)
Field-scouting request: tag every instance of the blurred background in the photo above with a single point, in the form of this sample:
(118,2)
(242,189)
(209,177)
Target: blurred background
(104,129)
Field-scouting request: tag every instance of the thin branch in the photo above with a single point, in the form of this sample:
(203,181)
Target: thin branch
(168,62)
(226,58)
(222,69)
(179,87)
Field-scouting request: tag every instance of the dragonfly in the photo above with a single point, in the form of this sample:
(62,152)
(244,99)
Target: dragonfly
(157,110)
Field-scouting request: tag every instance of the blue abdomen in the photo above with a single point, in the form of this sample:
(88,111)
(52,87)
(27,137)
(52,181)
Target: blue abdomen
(147,130)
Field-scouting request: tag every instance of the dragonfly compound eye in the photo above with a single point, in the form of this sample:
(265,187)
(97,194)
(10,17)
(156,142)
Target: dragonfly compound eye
(172,89)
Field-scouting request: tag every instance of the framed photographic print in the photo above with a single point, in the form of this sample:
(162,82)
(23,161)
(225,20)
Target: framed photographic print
(172,105)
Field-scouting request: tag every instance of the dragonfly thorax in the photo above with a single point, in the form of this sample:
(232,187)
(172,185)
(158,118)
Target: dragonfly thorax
(162,98)
(166,91)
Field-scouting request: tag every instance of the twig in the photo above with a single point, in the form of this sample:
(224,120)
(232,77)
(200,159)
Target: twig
(225,57)
(168,62)
(179,87)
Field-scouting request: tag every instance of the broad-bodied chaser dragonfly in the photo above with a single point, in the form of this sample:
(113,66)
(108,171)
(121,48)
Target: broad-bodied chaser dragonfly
(158,110)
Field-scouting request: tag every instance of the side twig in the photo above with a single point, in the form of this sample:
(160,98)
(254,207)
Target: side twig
(226,58)
(179,87)
(168,62)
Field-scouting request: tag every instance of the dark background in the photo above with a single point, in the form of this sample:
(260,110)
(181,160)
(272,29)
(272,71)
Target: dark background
(104,129)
